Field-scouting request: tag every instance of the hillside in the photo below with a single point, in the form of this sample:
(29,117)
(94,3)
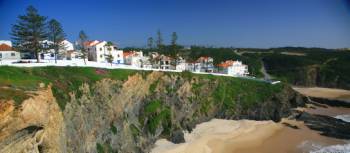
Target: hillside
(325,69)
(71,109)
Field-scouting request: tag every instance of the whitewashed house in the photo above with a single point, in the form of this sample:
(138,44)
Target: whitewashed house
(202,64)
(48,54)
(67,46)
(98,51)
(234,68)
(133,58)
(181,64)
(7,52)
(146,62)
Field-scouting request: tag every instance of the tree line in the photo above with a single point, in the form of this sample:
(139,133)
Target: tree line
(158,45)
(31,29)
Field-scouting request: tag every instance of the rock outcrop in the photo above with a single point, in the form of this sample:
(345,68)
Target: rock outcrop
(36,126)
(129,116)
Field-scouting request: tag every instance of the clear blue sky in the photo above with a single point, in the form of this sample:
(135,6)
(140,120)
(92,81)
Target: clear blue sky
(237,23)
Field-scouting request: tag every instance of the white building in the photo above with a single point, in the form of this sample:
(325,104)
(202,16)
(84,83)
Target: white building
(98,51)
(234,68)
(7,53)
(146,62)
(133,58)
(181,64)
(67,46)
(202,64)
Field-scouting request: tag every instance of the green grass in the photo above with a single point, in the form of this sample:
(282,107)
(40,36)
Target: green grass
(113,129)
(247,93)
(99,148)
(134,131)
(153,86)
(157,114)
(152,107)
(63,79)
(17,95)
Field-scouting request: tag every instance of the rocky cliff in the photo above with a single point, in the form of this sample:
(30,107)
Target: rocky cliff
(111,115)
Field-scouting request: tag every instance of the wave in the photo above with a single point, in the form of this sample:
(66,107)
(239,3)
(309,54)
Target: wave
(345,118)
(317,147)
(334,148)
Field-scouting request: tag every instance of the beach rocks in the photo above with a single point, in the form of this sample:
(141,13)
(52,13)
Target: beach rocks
(328,126)
(331,102)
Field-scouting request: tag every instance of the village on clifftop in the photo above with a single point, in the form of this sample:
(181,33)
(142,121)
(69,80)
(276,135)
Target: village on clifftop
(106,55)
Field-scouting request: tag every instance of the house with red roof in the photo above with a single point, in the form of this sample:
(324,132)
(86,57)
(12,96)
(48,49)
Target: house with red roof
(98,51)
(234,68)
(133,58)
(8,53)
(202,64)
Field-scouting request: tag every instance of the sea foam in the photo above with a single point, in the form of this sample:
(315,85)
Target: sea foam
(334,149)
(345,118)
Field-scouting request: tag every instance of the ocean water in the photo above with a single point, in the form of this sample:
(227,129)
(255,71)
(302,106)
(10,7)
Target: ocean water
(334,149)
(316,147)
(345,148)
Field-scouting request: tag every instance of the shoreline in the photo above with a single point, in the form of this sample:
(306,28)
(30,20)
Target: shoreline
(247,136)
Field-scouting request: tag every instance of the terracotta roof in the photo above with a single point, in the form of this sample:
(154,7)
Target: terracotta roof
(226,63)
(203,58)
(91,43)
(4,47)
(130,53)
(127,53)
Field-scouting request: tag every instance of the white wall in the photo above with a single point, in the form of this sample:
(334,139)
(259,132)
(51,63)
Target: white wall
(10,55)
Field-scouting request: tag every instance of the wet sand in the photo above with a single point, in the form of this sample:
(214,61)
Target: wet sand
(329,111)
(246,136)
(289,140)
(329,93)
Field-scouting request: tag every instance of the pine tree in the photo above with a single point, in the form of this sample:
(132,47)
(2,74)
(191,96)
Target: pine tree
(173,39)
(29,32)
(150,42)
(159,39)
(173,44)
(82,39)
(56,35)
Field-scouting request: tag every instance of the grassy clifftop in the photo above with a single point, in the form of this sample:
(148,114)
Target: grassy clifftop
(126,110)
(15,81)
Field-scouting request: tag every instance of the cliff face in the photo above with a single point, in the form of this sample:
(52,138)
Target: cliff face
(35,126)
(128,116)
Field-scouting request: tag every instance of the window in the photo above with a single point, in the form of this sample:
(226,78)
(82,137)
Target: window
(100,49)
(101,56)
(118,55)
(0,55)
(13,54)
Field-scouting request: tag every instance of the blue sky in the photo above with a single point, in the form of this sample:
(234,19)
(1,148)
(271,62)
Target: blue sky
(237,23)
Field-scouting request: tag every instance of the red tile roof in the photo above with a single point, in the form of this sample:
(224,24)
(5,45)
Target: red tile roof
(203,58)
(226,63)
(4,47)
(91,43)
(130,53)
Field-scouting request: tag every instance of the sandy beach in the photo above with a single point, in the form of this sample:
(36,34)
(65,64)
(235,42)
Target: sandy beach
(246,136)
(330,93)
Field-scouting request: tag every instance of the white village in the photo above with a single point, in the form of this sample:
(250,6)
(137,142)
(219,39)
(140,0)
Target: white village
(105,54)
